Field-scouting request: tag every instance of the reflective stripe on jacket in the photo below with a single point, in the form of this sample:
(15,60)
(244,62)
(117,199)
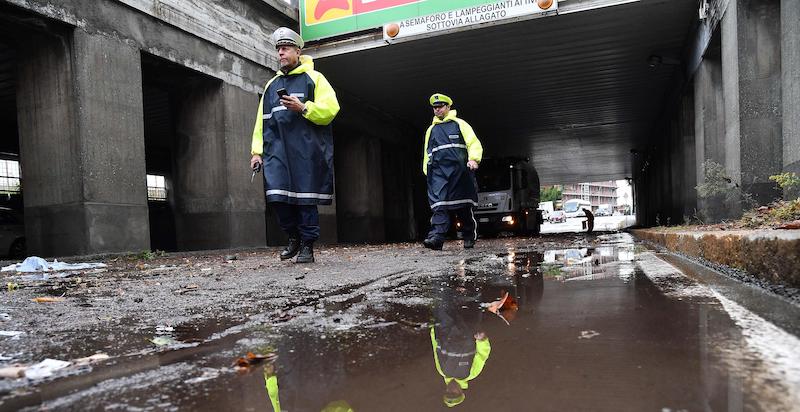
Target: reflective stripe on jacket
(476,360)
(449,144)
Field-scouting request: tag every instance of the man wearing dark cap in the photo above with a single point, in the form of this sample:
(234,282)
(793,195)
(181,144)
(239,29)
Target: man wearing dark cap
(293,141)
(451,153)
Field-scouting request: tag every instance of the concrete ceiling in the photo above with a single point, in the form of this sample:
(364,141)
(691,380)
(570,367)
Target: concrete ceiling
(574,92)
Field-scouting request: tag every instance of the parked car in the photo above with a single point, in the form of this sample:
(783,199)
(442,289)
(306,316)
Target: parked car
(603,210)
(557,216)
(12,234)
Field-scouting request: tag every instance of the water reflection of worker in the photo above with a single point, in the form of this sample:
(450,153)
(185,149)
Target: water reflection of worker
(312,371)
(589,220)
(460,349)
(271,383)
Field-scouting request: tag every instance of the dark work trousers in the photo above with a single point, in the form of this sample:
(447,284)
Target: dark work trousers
(302,220)
(440,222)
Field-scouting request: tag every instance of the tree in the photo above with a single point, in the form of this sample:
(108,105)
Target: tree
(550,194)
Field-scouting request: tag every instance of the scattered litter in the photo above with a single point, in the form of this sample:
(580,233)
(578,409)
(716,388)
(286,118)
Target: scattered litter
(12,286)
(45,368)
(37,264)
(44,276)
(588,334)
(11,333)
(187,288)
(208,374)
(12,372)
(418,325)
(300,277)
(162,340)
(205,269)
(97,357)
(380,325)
(47,299)
(282,316)
(5,316)
(164,329)
(231,257)
(5,358)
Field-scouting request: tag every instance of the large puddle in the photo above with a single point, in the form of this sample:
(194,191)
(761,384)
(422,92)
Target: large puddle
(568,329)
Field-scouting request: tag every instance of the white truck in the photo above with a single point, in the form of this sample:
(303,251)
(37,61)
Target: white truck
(546,208)
(508,196)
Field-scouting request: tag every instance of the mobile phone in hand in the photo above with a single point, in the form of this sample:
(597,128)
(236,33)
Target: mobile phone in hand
(282,92)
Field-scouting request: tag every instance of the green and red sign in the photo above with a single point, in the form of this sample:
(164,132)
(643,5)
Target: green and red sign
(328,18)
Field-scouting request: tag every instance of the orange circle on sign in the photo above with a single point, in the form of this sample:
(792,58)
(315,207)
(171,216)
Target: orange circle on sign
(544,4)
(392,30)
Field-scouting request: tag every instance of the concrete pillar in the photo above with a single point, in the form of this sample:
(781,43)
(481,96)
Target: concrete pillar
(687,190)
(400,165)
(790,73)
(216,205)
(82,145)
(709,125)
(676,152)
(751,55)
(328,222)
(244,201)
(359,189)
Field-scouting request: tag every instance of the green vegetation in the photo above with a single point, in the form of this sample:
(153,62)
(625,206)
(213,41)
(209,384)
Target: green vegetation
(772,215)
(150,254)
(550,193)
(787,181)
(551,271)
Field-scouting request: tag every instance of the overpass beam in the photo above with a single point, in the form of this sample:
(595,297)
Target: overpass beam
(82,145)
(751,78)
(790,69)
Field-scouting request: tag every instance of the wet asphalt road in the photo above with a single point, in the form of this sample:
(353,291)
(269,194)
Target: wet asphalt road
(585,325)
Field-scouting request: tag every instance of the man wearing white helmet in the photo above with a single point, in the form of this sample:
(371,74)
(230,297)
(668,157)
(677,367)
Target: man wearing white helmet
(293,140)
(451,154)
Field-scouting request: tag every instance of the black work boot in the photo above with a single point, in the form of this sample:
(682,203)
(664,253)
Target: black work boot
(306,254)
(469,243)
(291,249)
(433,244)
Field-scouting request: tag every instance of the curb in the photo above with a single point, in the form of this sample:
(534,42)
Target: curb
(770,255)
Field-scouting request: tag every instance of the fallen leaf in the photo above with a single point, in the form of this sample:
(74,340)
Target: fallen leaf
(258,356)
(510,304)
(790,225)
(495,306)
(251,359)
(47,299)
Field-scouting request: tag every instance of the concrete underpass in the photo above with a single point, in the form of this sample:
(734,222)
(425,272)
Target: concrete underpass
(125,130)
(604,90)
